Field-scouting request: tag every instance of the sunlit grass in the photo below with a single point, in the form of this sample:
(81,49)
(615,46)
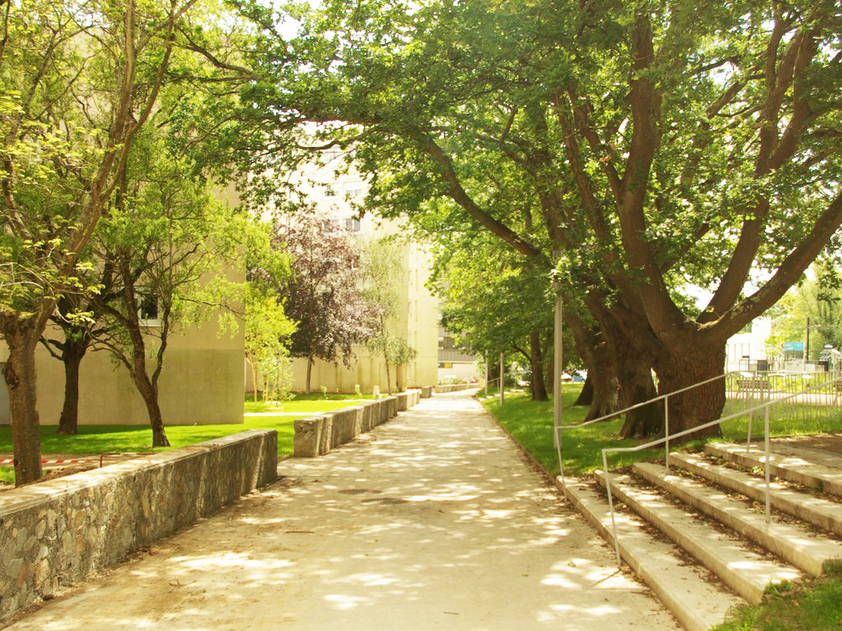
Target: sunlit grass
(811,607)
(99,439)
(531,424)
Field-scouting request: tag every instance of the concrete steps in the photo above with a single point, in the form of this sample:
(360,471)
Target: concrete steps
(685,589)
(726,555)
(787,463)
(809,507)
(713,514)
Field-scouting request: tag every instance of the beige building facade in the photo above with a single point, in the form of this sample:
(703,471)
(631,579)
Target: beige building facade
(202,383)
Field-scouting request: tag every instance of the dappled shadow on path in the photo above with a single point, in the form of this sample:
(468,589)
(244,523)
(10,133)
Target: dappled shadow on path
(431,521)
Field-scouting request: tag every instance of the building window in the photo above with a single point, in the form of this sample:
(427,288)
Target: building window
(353,192)
(329,190)
(148,311)
(352,224)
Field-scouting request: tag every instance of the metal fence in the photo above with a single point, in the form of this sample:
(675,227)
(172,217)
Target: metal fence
(807,396)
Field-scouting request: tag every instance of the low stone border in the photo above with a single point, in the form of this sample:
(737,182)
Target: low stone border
(454,388)
(54,533)
(317,435)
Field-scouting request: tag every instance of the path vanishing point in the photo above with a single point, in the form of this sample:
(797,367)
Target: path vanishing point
(434,520)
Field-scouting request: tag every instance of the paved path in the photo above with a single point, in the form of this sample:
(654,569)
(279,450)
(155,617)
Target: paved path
(432,521)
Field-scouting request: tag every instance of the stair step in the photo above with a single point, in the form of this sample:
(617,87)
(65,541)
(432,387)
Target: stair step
(788,463)
(744,571)
(686,590)
(795,544)
(818,511)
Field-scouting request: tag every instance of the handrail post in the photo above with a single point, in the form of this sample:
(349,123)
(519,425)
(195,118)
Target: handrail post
(667,433)
(611,507)
(766,440)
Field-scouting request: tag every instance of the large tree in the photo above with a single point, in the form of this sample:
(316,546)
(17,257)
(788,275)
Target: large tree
(664,143)
(323,293)
(79,79)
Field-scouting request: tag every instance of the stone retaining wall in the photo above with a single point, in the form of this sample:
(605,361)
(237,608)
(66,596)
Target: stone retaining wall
(454,388)
(54,533)
(317,435)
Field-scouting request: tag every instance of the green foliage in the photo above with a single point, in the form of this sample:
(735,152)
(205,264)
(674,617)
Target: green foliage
(816,605)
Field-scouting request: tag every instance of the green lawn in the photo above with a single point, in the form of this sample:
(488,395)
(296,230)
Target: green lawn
(816,606)
(98,439)
(531,423)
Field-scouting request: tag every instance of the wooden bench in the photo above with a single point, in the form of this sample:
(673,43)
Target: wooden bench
(754,384)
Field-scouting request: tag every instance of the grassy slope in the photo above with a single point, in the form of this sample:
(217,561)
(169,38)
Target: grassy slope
(531,423)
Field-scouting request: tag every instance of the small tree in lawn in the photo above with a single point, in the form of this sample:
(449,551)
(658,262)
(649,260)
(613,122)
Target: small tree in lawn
(267,330)
(400,353)
(323,294)
(169,244)
(382,278)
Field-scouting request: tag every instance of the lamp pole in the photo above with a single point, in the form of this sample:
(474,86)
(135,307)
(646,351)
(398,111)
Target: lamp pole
(558,355)
(502,373)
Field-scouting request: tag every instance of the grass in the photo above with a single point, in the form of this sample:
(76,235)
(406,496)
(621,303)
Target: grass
(531,424)
(98,439)
(811,607)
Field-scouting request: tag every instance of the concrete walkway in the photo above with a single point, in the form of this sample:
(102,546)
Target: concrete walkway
(432,521)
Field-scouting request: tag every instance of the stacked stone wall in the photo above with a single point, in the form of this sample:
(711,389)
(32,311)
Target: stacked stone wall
(54,533)
(318,435)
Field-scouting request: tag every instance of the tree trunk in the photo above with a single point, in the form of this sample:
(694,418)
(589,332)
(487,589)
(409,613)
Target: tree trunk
(22,338)
(309,372)
(388,379)
(73,353)
(536,364)
(636,386)
(634,375)
(606,384)
(686,365)
(398,380)
(149,393)
(586,395)
(596,354)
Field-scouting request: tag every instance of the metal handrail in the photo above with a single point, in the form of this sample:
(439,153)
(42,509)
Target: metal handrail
(763,406)
(665,397)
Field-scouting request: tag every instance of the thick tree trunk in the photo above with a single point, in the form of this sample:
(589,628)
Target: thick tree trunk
(634,374)
(586,395)
(596,354)
(73,353)
(606,385)
(536,364)
(636,386)
(19,373)
(398,380)
(388,379)
(687,365)
(309,372)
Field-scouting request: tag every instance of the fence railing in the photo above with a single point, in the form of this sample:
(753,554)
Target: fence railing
(814,396)
(825,388)
(664,397)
